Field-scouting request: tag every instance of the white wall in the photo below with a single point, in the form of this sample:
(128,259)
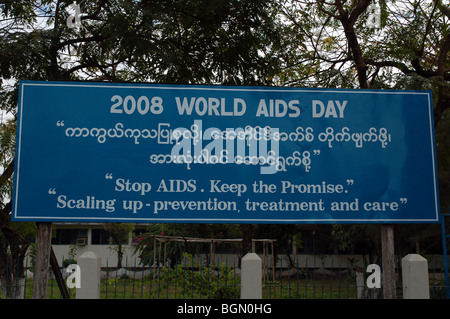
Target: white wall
(130,259)
(108,256)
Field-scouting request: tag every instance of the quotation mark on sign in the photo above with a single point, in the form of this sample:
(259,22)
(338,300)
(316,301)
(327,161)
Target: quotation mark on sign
(316,152)
(350,182)
(403,200)
(60,123)
(52,191)
(108,176)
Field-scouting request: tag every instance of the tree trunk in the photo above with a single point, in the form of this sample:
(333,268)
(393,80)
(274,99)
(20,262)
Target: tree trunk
(12,272)
(41,271)
(12,286)
(13,250)
(247,237)
(119,255)
(348,22)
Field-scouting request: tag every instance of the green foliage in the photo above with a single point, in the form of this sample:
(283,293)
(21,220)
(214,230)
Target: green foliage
(198,41)
(7,146)
(174,249)
(145,244)
(443,160)
(345,236)
(201,281)
(72,253)
(120,232)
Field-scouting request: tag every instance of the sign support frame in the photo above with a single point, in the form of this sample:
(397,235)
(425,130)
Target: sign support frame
(388,261)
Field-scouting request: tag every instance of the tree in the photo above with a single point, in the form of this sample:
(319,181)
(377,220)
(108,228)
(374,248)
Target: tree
(195,41)
(333,45)
(13,236)
(120,233)
(251,42)
(174,250)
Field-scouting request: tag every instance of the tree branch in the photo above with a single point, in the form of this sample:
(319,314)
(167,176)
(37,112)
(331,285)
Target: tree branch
(352,39)
(80,40)
(444,99)
(359,9)
(7,173)
(442,8)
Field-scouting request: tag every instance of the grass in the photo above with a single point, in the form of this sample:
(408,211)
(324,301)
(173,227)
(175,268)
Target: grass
(124,287)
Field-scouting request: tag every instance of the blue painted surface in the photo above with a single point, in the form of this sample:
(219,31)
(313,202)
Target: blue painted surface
(109,152)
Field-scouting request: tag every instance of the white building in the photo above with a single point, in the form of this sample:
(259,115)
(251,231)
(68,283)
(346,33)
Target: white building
(78,238)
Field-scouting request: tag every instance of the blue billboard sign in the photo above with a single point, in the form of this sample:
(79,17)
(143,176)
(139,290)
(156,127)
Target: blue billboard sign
(109,152)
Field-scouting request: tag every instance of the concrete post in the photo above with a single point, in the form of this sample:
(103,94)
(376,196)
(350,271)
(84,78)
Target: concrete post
(251,277)
(360,284)
(90,265)
(415,277)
